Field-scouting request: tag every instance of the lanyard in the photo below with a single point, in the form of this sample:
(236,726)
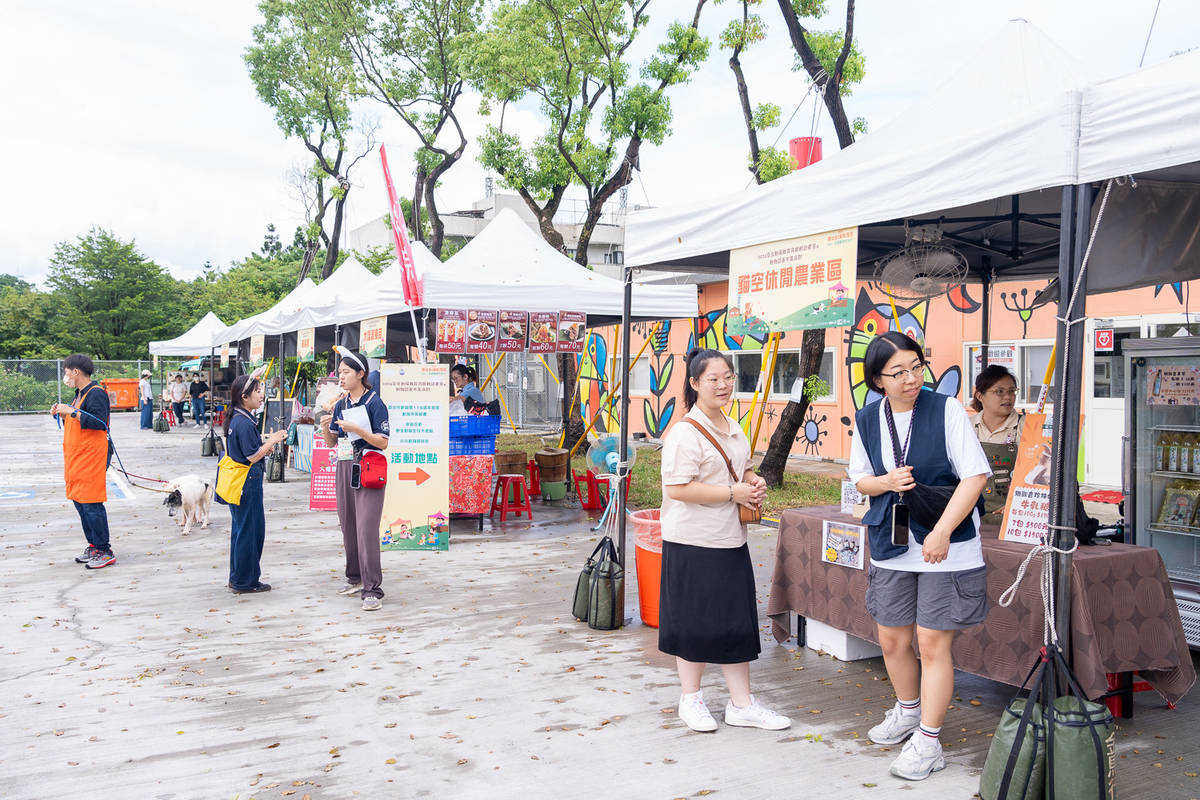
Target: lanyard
(897,451)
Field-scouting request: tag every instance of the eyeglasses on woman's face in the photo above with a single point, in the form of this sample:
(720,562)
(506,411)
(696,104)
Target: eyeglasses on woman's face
(1002,393)
(728,379)
(917,370)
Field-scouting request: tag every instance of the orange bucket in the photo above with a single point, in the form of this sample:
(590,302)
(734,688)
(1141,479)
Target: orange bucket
(648,558)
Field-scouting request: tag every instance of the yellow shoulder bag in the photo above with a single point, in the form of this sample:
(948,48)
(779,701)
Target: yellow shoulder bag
(231,477)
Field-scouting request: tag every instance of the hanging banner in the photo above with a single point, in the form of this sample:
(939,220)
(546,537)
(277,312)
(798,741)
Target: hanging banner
(543,332)
(416,503)
(372,336)
(409,280)
(1027,511)
(256,350)
(572,329)
(513,326)
(451,330)
(322,488)
(793,284)
(481,331)
(1173,386)
(225,355)
(306,339)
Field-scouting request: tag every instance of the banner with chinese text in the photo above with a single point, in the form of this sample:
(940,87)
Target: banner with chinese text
(416,503)
(322,487)
(451,331)
(572,328)
(543,332)
(1173,386)
(793,284)
(306,339)
(256,350)
(225,355)
(511,335)
(372,337)
(1027,511)
(481,331)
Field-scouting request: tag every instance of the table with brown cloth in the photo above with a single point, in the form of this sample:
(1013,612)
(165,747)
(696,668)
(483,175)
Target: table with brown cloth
(1123,612)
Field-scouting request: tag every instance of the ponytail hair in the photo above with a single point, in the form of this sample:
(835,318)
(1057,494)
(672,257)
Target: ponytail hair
(697,362)
(466,369)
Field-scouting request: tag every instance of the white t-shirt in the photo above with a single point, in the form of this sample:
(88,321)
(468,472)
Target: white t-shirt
(178,391)
(966,457)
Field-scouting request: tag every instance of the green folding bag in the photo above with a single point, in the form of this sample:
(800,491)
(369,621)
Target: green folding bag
(1029,742)
(606,607)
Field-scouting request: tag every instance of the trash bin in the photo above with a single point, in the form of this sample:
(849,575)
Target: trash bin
(648,557)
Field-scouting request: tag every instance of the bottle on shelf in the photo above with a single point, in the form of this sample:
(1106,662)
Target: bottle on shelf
(1185,451)
(1173,447)
(1195,461)
(1160,451)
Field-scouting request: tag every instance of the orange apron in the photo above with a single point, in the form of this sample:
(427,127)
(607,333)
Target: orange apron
(85,458)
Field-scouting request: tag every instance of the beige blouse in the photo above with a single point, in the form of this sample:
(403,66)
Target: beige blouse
(687,457)
(1009,433)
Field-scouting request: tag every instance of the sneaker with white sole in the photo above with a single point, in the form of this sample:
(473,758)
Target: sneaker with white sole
(921,755)
(372,604)
(86,555)
(896,726)
(349,587)
(693,712)
(755,716)
(101,559)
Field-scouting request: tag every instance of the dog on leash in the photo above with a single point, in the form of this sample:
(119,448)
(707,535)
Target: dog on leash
(192,496)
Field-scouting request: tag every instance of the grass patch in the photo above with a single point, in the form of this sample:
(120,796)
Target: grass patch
(798,489)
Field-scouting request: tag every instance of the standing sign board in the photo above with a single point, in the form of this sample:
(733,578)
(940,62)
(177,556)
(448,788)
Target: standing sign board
(322,488)
(1027,511)
(306,345)
(256,350)
(451,330)
(416,503)
(793,284)
(373,337)
(481,331)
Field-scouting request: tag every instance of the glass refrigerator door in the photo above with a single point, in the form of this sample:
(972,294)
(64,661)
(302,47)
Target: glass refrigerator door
(1164,394)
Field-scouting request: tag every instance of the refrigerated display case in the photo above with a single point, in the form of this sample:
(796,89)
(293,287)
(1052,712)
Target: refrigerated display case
(1162,462)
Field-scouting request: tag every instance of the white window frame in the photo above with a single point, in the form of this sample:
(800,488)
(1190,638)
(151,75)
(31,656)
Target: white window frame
(1018,368)
(644,361)
(780,394)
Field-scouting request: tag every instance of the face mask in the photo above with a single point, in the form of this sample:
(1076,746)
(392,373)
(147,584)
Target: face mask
(66,380)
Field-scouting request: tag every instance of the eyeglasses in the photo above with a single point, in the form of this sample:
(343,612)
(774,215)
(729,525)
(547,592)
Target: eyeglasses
(1002,392)
(728,380)
(917,370)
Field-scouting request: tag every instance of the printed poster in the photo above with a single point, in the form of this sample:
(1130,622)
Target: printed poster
(225,355)
(372,337)
(416,503)
(256,350)
(1027,512)
(513,325)
(322,488)
(543,332)
(851,497)
(793,284)
(1173,386)
(841,544)
(306,339)
(481,331)
(451,330)
(572,328)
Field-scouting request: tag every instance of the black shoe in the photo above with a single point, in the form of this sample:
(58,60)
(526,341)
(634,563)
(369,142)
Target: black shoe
(258,587)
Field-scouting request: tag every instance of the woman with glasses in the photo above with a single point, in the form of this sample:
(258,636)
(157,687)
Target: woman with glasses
(998,426)
(931,581)
(708,612)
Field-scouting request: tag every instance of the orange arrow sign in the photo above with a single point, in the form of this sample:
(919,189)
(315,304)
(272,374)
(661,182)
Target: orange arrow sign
(420,476)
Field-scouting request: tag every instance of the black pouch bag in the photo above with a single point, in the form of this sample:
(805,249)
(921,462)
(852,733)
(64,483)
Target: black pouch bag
(927,503)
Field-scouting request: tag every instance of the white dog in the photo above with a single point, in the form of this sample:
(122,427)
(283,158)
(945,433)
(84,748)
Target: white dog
(194,495)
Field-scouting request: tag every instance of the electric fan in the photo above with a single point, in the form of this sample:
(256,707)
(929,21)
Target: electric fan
(604,459)
(921,271)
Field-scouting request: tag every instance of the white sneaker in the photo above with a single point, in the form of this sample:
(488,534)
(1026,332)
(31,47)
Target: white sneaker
(921,755)
(349,588)
(755,716)
(372,604)
(896,726)
(693,711)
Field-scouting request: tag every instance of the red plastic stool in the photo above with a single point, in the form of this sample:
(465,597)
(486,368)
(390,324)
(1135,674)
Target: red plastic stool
(535,482)
(170,415)
(588,490)
(501,496)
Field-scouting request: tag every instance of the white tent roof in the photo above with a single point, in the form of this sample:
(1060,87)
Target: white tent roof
(199,340)
(383,294)
(320,305)
(262,322)
(1005,123)
(508,265)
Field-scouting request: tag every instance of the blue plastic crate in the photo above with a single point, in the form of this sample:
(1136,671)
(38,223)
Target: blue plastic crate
(474,425)
(459,426)
(473,446)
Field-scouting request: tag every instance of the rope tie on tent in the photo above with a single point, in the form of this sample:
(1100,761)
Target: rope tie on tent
(1049,631)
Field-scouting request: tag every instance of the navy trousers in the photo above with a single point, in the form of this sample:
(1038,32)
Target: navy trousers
(147,421)
(249,533)
(178,409)
(95,524)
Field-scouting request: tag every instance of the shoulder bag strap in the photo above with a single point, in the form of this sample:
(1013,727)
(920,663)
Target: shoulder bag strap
(728,465)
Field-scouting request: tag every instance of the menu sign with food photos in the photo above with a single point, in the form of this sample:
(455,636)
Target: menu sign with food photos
(481,331)
(511,334)
(543,332)
(572,326)
(451,330)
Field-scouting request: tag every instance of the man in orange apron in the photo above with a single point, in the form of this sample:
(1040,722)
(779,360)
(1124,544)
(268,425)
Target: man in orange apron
(85,457)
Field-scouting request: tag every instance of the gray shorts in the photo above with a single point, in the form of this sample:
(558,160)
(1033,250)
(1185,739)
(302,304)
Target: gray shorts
(938,601)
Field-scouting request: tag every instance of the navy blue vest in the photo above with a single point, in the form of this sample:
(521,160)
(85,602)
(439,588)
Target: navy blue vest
(931,466)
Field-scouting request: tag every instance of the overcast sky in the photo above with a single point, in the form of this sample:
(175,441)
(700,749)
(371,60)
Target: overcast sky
(138,115)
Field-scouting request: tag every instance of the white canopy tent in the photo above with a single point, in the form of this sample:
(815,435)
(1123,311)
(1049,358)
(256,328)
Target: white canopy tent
(508,265)
(199,340)
(262,321)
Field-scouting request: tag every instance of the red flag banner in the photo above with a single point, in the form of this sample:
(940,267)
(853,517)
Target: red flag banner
(408,268)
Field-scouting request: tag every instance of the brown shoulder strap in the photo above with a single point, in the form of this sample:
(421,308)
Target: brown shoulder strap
(721,450)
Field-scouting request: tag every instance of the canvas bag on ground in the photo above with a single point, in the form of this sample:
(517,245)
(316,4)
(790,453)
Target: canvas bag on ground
(598,590)
(1015,768)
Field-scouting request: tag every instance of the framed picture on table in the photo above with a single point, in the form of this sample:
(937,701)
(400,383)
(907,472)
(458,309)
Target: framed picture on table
(1178,508)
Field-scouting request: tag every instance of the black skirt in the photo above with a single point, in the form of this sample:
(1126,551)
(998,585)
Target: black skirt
(707,608)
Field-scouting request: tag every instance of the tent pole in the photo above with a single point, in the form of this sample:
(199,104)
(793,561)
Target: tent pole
(624,452)
(985,324)
(1064,487)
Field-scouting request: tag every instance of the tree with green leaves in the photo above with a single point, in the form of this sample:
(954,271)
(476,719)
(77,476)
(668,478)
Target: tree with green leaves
(26,317)
(572,58)
(409,58)
(834,65)
(301,68)
(109,299)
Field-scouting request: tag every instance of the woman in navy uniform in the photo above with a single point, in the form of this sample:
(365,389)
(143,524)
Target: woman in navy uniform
(245,446)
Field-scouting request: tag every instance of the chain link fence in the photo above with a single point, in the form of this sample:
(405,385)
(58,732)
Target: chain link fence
(530,391)
(31,386)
